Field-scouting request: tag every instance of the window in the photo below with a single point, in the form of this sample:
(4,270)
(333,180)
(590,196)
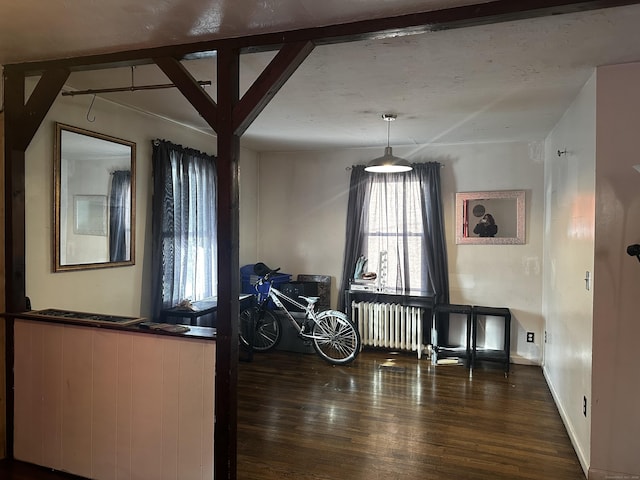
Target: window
(400,214)
(185,252)
(394,243)
(191,235)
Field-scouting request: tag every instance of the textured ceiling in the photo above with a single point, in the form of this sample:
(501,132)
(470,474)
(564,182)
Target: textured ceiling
(37,30)
(503,82)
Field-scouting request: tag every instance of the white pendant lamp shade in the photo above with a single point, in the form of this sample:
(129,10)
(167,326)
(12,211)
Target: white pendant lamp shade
(388,163)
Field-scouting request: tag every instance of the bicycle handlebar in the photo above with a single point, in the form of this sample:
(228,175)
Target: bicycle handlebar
(268,275)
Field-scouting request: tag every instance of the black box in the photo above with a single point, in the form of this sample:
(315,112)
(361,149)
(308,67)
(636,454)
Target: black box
(290,341)
(295,289)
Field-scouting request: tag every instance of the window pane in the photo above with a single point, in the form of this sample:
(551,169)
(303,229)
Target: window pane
(395,227)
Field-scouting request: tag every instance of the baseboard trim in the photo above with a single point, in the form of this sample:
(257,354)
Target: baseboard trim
(584,462)
(520,360)
(595,474)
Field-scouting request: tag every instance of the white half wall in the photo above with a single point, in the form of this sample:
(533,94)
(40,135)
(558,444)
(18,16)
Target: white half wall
(108,404)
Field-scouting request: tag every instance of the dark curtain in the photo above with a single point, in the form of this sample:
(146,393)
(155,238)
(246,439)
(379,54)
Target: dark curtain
(184,245)
(416,198)
(120,216)
(435,255)
(357,211)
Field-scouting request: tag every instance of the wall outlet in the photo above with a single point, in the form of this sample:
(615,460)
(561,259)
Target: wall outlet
(530,337)
(545,336)
(584,405)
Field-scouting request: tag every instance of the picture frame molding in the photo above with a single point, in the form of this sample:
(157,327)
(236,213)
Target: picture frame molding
(462,220)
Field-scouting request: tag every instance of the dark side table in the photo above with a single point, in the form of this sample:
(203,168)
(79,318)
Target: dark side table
(199,309)
(440,343)
(490,354)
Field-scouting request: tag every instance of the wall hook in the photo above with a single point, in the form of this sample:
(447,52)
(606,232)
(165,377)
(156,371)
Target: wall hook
(562,152)
(89,111)
(634,251)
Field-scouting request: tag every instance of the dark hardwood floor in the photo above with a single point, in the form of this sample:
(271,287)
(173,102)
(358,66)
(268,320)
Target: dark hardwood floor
(394,417)
(389,417)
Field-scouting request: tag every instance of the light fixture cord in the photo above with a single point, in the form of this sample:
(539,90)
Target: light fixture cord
(388,130)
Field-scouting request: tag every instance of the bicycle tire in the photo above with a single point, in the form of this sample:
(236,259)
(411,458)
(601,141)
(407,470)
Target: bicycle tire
(266,333)
(335,338)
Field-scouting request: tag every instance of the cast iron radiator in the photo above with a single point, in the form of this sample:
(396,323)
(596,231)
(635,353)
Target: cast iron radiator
(389,325)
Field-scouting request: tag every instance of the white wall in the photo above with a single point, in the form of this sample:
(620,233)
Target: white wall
(569,243)
(499,275)
(249,191)
(615,428)
(122,290)
(592,198)
(302,213)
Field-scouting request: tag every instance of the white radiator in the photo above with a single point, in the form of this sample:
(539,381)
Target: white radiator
(389,325)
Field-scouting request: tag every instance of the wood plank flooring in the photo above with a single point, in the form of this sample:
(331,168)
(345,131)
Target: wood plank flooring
(388,417)
(394,417)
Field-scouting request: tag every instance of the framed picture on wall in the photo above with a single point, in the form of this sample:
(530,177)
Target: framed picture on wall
(488,218)
(90,215)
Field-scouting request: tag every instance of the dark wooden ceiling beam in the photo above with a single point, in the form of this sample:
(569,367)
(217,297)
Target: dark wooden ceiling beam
(39,103)
(270,81)
(190,88)
(414,23)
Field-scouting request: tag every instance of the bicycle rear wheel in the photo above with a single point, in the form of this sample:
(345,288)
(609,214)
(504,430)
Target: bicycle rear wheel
(266,332)
(335,338)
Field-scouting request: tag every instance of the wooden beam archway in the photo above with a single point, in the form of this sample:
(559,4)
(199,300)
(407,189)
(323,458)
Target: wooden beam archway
(229,118)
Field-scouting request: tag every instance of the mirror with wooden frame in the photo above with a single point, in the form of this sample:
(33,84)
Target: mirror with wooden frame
(490,217)
(94,199)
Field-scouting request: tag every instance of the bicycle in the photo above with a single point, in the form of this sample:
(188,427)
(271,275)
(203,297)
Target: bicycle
(333,336)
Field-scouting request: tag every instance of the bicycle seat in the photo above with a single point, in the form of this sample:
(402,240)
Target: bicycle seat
(261,269)
(310,300)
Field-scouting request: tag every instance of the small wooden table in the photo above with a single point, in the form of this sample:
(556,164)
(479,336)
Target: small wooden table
(199,308)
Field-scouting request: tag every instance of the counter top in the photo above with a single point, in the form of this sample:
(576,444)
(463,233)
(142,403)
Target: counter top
(110,322)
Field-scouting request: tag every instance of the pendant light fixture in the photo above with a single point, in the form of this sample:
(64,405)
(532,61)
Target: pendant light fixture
(388,163)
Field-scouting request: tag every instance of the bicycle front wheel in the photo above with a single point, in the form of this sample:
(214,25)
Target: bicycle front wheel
(335,338)
(266,331)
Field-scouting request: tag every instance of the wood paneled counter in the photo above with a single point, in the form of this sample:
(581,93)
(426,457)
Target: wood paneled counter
(130,324)
(110,402)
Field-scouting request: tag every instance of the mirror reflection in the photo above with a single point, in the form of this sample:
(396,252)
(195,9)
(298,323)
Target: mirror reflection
(94,200)
(490,217)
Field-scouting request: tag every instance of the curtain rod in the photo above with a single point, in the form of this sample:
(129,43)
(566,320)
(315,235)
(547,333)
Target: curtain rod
(132,88)
(351,168)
